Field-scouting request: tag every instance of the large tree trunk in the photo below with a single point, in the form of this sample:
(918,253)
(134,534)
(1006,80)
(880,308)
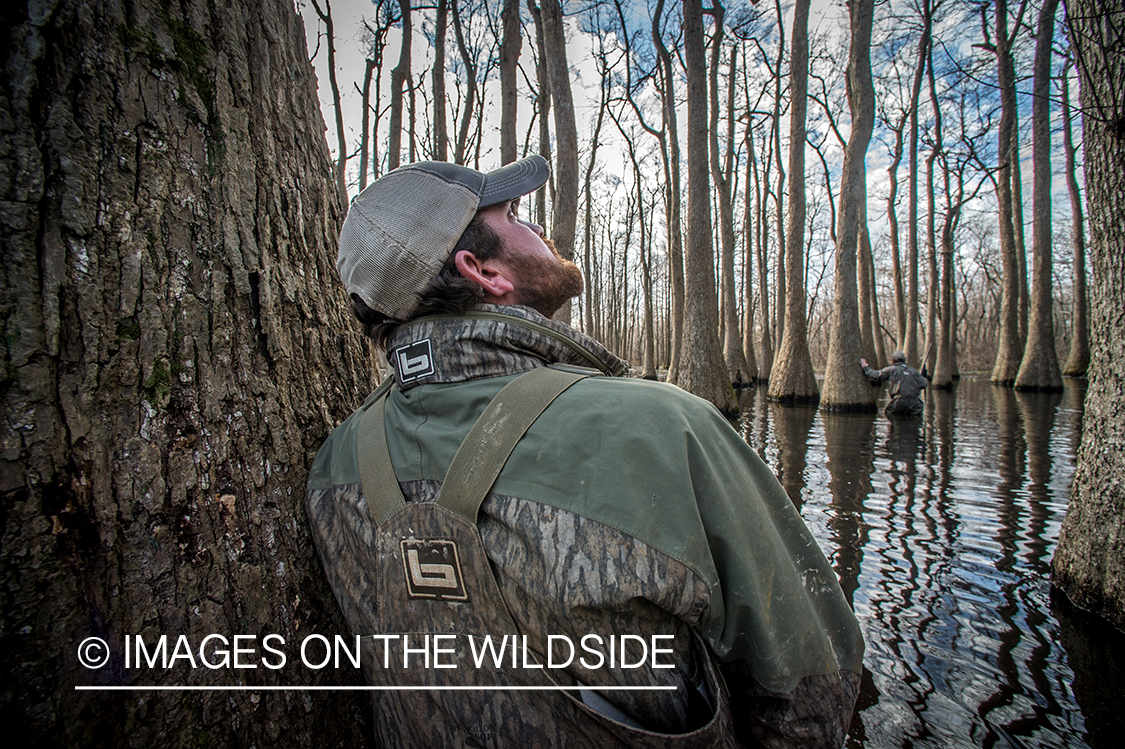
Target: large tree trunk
(702,371)
(1009,350)
(1089,563)
(792,379)
(509,61)
(1040,367)
(564,209)
(176,348)
(845,386)
(1078,360)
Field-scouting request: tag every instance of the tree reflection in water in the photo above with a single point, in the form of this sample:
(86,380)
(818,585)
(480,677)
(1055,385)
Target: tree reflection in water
(941,530)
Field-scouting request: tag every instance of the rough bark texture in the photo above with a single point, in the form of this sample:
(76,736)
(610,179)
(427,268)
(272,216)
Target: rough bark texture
(174,352)
(1040,367)
(792,379)
(1089,564)
(845,386)
(702,370)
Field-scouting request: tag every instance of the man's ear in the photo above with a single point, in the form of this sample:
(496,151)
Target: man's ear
(491,275)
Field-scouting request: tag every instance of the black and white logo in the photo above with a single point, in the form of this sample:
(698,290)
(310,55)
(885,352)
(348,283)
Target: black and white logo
(433,569)
(415,361)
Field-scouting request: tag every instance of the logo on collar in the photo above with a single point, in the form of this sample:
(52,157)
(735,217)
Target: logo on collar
(415,361)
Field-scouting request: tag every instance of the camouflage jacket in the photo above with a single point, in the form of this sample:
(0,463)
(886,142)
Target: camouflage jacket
(906,382)
(631,528)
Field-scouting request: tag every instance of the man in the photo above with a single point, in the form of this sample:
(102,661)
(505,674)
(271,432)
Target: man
(907,384)
(640,575)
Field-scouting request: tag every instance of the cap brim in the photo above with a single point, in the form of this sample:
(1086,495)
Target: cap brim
(514,180)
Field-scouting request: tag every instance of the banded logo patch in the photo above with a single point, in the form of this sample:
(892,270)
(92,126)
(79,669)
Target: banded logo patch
(415,361)
(433,569)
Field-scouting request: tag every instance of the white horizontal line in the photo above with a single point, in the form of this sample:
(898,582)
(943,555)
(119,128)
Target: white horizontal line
(241,688)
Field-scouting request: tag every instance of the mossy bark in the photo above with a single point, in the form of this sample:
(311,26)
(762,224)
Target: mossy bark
(174,353)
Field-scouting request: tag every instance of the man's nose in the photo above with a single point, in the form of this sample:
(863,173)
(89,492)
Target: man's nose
(534,227)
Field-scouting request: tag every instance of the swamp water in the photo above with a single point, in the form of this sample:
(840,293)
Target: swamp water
(942,531)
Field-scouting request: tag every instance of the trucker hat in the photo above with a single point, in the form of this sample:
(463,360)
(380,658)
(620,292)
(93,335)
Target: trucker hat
(401,229)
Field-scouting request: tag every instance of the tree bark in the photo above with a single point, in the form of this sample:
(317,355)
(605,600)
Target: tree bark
(461,146)
(1078,360)
(543,107)
(702,371)
(1040,367)
(1089,563)
(792,379)
(176,348)
(845,386)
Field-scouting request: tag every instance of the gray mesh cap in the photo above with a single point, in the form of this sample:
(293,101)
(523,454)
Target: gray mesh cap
(402,227)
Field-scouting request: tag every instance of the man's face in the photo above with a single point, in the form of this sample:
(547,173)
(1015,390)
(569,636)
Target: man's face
(544,281)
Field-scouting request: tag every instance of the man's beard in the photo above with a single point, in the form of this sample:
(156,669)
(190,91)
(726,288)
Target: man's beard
(545,284)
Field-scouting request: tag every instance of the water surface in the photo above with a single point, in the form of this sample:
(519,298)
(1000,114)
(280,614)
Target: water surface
(941,530)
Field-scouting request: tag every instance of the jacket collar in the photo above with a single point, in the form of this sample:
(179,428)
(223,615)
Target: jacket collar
(490,341)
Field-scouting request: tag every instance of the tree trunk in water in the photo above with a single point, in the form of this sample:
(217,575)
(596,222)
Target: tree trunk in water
(509,61)
(896,250)
(175,351)
(1009,350)
(846,388)
(702,371)
(792,379)
(748,263)
(1040,367)
(1078,361)
(1089,563)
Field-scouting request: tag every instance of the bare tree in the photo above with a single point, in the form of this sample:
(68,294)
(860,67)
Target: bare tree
(1040,367)
(910,342)
(722,165)
(399,75)
(792,379)
(1078,361)
(701,369)
(564,208)
(845,386)
(509,59)
(1009,350)
(543,109)
(441,136)
(176,345)
(325,17)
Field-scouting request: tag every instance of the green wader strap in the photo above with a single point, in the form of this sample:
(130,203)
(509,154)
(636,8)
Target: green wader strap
(481,455)
(380,486)
(486,448)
